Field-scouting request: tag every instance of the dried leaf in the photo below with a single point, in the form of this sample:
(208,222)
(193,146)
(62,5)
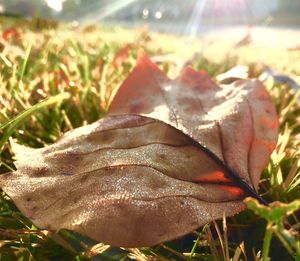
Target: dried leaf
(100,180)
(121,56)
(183,153)
(10,33)
(237,122)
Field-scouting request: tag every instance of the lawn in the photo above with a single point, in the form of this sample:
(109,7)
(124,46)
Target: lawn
(56,77)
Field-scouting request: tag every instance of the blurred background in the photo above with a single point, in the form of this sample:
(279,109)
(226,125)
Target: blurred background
(189,17)
(218,12)
(270,27)
(268,22)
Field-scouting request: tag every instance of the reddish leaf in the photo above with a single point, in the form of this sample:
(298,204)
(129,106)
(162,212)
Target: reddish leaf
(237,122)
(60,77)
(121,56)
(10,33)
(131,180)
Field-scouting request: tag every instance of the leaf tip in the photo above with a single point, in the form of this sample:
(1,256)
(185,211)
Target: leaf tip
(143,58)
(141,54)
(196,79)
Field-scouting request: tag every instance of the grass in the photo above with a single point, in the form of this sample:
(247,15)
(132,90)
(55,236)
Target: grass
(54,78)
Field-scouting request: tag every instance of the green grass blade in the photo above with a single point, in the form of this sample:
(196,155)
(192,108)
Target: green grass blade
(197,243)
(25,62)
(14,123)
(194,248)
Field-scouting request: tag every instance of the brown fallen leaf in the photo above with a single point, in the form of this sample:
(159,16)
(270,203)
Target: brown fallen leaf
(193,154)
(10,33)
(122,55)
(237,122)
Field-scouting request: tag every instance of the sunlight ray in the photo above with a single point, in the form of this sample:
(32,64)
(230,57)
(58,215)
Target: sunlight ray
(101,11)
(194,23)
